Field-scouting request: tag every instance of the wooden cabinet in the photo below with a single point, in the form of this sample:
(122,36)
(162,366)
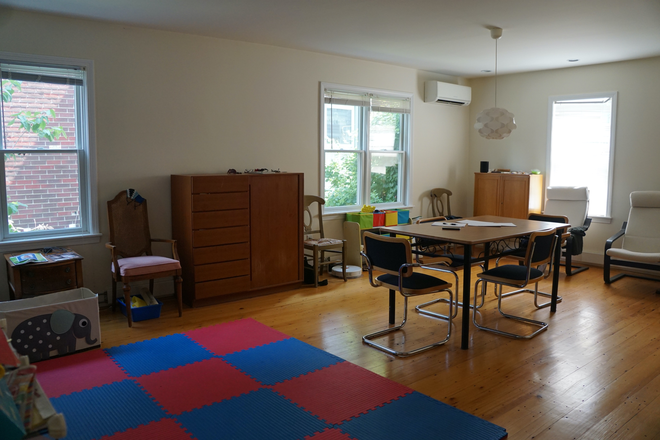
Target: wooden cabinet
(237,235)
(507,195)
(50,276)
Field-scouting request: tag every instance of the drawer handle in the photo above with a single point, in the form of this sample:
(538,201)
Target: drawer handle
(67,270)
(68,282)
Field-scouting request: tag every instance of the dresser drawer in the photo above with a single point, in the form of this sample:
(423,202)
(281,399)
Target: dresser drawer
(218,271)
(48,278)
(227,286)
(218,254)
(221,201)
(220,219)
(213,184)
(214,237)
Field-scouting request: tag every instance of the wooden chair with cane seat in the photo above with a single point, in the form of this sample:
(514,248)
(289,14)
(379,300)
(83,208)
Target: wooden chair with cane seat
(316,242)
(130,250)
(440,203)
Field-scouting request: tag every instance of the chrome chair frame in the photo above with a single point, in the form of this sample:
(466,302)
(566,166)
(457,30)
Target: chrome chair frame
(548,265)
(403,272)
(532,275)
(448,265)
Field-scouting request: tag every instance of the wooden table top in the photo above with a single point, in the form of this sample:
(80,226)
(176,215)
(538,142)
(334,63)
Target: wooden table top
(475,234)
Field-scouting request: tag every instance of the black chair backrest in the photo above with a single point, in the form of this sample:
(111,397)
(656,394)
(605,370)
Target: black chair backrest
(387,254)
(540,247)
(548,218)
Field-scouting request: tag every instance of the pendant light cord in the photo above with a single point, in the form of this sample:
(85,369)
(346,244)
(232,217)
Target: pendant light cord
(495,73)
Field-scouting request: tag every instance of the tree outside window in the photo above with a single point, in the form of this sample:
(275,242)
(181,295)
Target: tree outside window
(365,148)
(45,151)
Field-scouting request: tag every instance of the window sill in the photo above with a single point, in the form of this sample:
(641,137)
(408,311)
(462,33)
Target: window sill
(601,219)
(38,243)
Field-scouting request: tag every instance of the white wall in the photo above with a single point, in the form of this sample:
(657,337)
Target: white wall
(637,149)
(169,103)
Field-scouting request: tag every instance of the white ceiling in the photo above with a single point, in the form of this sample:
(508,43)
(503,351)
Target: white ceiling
(443,36)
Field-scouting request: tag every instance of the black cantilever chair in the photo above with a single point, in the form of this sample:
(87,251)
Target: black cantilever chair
(393,256)
(448,262)
(520,254)
(539,251)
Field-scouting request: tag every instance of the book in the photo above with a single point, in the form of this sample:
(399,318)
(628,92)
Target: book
(35,257)
(63,256)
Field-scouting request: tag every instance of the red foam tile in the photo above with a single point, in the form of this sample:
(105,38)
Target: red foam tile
(236,336)
(182,389)
(69,374)
(330,434)
(164,429)
(340,392)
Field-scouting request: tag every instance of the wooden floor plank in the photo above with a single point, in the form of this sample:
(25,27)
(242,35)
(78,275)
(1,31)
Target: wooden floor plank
(595,373)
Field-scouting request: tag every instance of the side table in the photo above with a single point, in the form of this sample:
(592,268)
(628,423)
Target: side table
(62,271)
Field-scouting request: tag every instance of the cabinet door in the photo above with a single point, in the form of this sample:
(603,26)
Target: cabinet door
(276,229)
(487,194)
(515,196)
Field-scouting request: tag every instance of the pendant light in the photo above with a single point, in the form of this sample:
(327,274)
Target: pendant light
(495,123)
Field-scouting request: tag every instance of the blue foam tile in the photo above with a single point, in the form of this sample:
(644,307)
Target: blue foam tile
(281,360)
(93,413)
(420,417)
(259,415)
(158,354)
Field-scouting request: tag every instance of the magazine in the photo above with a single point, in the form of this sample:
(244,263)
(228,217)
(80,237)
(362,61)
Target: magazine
(35,257)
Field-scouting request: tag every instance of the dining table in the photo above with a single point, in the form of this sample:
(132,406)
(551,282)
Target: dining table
(468,237)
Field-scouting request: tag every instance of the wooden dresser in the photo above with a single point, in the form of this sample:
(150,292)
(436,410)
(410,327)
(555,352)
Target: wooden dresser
(237,235)
(507,195)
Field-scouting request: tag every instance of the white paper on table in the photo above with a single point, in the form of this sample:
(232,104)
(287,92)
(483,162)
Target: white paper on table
(449,224)
(483,224)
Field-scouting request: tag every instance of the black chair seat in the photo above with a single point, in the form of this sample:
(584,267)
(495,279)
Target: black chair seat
(512,272)
(417,281)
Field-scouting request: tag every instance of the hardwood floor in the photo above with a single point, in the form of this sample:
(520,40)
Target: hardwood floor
(594,374)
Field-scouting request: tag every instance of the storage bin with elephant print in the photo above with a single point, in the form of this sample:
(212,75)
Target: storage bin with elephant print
(52,325)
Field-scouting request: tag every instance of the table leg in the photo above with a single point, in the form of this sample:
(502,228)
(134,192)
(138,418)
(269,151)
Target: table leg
(392,305)
(555,275)
(467,272)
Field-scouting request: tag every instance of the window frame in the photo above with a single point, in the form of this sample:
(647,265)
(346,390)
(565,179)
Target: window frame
(364,153)
(89,230)
(607,218)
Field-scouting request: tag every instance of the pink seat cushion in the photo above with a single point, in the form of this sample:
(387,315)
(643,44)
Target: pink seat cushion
(137,266)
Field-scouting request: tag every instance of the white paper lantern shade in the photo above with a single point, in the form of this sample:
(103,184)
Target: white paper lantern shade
(495,123)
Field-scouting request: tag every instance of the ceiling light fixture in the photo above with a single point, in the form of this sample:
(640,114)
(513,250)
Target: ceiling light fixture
(495,123)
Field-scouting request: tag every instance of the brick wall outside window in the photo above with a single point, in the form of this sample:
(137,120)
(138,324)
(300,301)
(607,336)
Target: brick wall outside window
(46,183)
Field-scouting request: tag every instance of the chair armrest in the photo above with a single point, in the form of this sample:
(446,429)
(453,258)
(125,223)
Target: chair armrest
(175,254)
(113,256)
(369,268)
(610,241)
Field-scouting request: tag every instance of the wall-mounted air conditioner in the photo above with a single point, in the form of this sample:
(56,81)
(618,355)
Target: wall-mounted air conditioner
(447,93)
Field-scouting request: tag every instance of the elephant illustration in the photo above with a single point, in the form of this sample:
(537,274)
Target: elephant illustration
(38,336)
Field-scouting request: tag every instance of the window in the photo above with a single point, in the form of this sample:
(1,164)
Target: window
(49,190)
(582,146)
(365,143)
